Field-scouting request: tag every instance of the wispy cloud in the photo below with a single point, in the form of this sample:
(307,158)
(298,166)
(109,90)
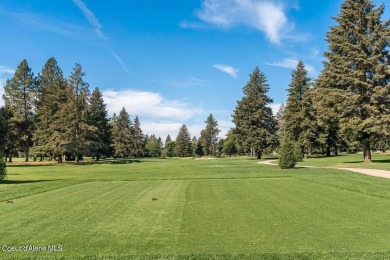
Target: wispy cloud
(291,63)
(268,16)
(93,21)
(120,61)
(227,69)
(6,70)
(192,25)
(148,104)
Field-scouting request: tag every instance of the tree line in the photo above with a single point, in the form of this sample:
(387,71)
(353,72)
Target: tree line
(49,115)
(347,108)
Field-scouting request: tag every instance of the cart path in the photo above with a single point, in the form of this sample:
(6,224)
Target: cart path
(371,172)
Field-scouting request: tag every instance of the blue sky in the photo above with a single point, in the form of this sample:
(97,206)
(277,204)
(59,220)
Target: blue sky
(169,61)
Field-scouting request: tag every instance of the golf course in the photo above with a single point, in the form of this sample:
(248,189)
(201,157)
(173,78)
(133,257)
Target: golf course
(225,208)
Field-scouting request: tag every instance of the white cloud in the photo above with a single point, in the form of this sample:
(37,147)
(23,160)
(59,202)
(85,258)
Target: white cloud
(264,15)
(148,104)
(291,63)
(227,69)
(275,108)
(90,17)
(4,70)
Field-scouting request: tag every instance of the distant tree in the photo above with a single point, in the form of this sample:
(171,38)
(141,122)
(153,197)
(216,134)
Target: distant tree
(97,116)
(183,142)
(293,115)
(51,87)
(122,134)
(357,69)
(138,139)
(153,147)
(229,146)
(19,98)
(280,121)
(256,127)
(287,157)
(209,136)
(194,145)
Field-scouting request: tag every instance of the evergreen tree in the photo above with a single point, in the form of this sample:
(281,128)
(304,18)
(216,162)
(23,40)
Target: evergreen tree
(50,98)
(287,159)
(293,115)
(3,167)
(8,134)
(153,147)
(280,121)
(97,116)
(357,67)
(229,146)
(209,136)
(138,139)
(19,98)
(194,145)
(122,134)
(183,142)
(75,130)
(256,127)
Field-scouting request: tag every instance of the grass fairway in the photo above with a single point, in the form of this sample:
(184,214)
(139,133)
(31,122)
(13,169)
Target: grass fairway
(173,208)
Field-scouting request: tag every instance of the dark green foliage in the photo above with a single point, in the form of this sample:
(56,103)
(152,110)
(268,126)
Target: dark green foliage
(97,116)
(287,159)
(294,112)
(209,136)
(122,134)
(358,67)
(3,167)
(230,144)
(19,99)
(170,149)
(183,146)
(256,127)
(298,154)
(51,97)
(153,146)
(138,139)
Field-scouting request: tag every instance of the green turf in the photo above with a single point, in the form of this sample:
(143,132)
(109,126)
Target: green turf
(194,209)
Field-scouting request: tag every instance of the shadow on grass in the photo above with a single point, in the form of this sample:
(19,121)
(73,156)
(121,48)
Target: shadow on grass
(118,161)
(25,181)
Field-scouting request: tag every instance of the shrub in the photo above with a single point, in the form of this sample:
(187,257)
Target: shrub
(3,167)
(287,158)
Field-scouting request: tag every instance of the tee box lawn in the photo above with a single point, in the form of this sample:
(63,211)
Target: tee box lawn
(193,209)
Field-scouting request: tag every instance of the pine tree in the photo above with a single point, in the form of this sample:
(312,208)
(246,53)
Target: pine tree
(138,139)
(287,159)
(183,142)
(357,67)
(3,167)
(50,98)
(72,116)
(153,147)
(19,98)
(97,116)
(122,134)
(194,145)
(229,146)
(209,136)
(293,115)
(256,127)
(8,134)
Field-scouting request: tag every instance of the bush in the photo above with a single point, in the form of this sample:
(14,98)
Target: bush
(3,167)
(287,158)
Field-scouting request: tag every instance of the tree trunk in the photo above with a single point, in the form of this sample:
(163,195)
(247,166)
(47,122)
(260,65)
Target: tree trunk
(258,155)
(10,157)
(77,159)
(336,151)
(328,151)
(367,150)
